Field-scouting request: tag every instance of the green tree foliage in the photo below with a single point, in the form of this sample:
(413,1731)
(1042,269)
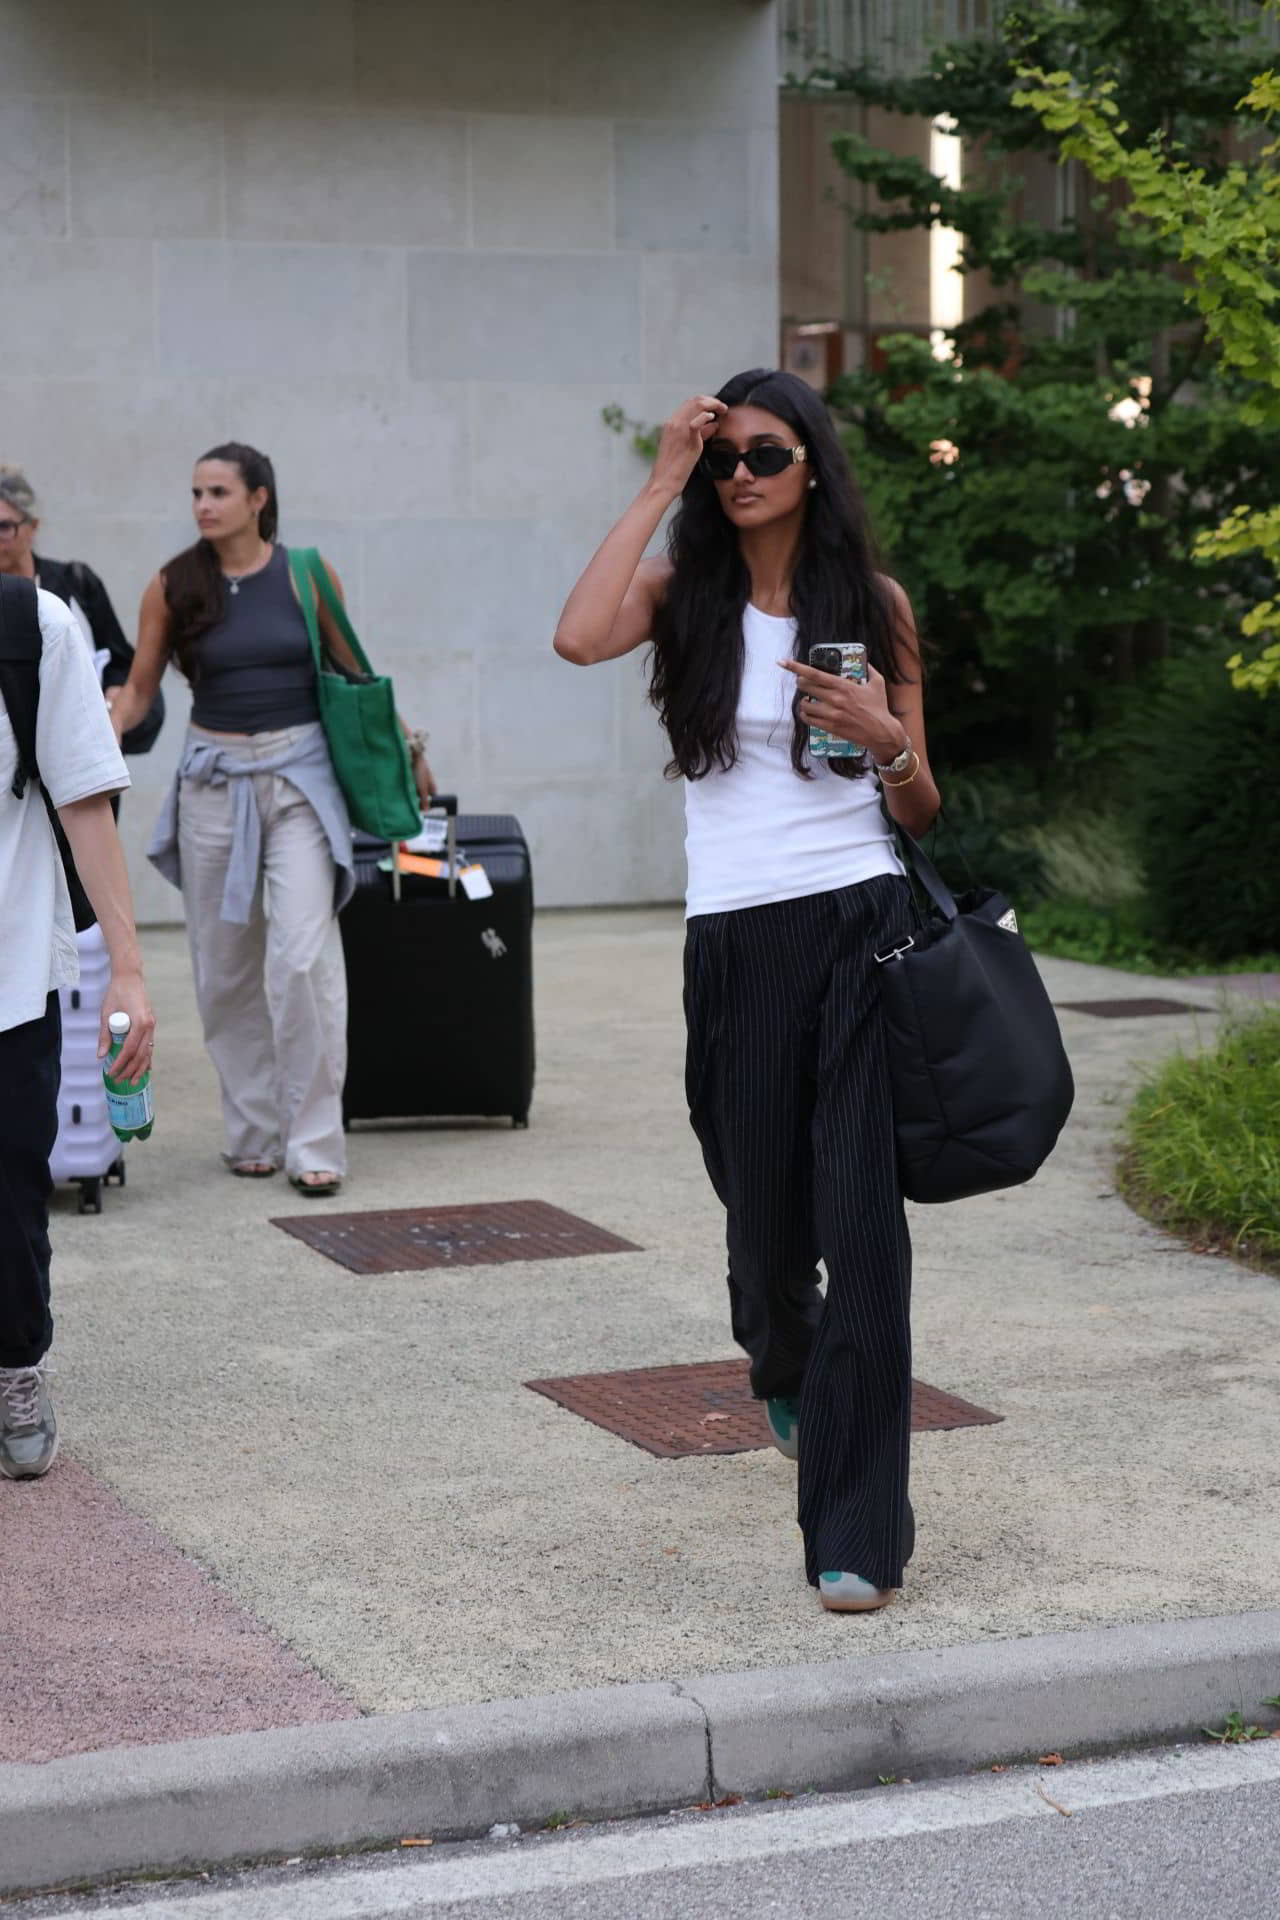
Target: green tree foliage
(1041,492)
(1225,227)
(1210,845)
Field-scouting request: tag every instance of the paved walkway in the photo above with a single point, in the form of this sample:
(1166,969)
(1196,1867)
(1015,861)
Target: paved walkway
(375,1512)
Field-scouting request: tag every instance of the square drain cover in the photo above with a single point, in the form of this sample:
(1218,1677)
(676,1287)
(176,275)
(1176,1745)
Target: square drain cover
(408,1239)
(676,1411)
(1129,1009)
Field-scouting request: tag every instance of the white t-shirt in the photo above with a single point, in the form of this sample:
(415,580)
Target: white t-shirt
(760,832)
(78,756)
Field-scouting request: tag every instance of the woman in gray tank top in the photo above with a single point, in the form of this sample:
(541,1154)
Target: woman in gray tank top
(255,830)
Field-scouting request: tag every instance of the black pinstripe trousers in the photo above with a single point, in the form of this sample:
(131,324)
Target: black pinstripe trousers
(789,1097)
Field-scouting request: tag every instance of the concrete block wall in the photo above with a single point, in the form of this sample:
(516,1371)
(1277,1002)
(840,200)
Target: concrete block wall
(411,250)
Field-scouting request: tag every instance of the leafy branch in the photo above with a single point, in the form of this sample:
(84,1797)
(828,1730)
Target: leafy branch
(644,439)
(1225,228)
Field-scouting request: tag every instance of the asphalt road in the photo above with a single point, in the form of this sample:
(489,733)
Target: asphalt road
(1182,1834)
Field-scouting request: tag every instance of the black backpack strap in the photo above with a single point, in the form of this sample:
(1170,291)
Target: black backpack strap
(20,646)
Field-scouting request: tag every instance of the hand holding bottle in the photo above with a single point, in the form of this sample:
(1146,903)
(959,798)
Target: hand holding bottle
(130,1107)
(126,993)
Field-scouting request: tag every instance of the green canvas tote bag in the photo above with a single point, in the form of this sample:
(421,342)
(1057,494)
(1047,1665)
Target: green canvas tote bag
(358,715)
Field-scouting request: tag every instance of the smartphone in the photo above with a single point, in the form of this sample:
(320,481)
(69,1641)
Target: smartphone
(848,659)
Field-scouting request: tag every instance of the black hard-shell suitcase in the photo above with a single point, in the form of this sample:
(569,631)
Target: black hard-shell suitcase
(440,987)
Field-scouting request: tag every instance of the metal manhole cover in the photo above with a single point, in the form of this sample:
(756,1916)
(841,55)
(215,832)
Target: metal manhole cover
(1129,1009)
(707,1408)
(409,1239)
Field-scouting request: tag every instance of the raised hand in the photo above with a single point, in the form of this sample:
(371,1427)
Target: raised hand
(683,437)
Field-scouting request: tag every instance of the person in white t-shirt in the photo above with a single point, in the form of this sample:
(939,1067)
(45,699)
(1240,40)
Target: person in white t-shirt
(80,767)
(795,885)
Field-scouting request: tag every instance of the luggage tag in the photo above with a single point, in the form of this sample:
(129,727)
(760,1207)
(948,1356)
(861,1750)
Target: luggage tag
(419,863)
(434,837)
(475,882)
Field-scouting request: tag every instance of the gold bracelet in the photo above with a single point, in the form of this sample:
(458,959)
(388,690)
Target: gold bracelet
(915,768)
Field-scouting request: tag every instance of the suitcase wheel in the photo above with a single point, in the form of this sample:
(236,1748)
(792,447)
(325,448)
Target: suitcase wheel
(90,1196)
(115,1176)
(520,1119)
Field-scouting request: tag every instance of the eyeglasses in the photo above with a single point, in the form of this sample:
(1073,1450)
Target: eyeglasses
(762,463)
(9,527)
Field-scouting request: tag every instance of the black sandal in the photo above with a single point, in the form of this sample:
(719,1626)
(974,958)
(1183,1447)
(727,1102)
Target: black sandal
(322,1189)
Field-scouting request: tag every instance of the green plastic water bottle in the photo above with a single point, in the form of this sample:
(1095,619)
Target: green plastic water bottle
(130,1107)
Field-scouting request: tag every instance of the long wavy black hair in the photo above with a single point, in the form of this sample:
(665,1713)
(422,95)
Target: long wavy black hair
(697,661)
(194,589)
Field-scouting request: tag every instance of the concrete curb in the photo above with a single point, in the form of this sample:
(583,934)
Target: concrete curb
(951,1708)
(624,1750)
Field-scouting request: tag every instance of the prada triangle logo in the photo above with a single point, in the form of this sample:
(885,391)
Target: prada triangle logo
(1009,921)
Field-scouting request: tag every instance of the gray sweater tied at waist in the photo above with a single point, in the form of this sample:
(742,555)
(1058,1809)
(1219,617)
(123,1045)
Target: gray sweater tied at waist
(304,761)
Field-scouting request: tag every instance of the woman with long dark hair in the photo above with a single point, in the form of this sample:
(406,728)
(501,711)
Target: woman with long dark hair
(255,830)
(794,885)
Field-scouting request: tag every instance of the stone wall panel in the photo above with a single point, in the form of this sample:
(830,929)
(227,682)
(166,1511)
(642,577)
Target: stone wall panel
(412,250)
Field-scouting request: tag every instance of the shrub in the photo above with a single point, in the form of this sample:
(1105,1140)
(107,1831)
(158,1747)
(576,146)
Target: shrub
(1210,828)
(1102,936)
(983,836)
(1120,937)
(1204,1140)
(1089,858)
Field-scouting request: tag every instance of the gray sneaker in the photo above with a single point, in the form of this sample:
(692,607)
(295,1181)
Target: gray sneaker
(28,1429)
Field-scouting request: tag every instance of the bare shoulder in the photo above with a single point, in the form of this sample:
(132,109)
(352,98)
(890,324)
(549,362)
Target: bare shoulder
(896,595)
(654,573)
(648,589)
(154,618)
(906,641)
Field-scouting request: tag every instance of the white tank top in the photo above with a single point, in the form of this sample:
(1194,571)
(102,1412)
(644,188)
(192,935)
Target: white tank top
(760,832)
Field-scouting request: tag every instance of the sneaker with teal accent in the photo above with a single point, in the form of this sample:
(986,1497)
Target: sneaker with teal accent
(849,1593)
(783,1417)
(28,1430)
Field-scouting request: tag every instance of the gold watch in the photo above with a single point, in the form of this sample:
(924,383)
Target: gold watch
(899,763)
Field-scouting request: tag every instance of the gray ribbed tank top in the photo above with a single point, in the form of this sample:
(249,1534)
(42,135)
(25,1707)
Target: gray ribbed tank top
(256,671)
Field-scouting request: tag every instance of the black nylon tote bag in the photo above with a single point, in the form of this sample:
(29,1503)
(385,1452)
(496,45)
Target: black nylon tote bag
(981,1082)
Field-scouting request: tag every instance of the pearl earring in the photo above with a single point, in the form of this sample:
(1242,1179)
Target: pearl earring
(812,485)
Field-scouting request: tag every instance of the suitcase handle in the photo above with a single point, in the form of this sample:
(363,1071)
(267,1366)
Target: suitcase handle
(447,804)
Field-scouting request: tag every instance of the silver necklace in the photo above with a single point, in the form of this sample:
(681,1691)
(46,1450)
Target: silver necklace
(233,579)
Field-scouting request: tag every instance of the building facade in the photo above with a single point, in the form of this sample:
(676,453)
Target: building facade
(411,250)
(841,288)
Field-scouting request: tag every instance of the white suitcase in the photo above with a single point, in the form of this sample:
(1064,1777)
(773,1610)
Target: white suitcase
(86,1149)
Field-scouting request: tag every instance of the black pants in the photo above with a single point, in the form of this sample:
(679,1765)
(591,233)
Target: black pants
(789,1096)
(30,1071)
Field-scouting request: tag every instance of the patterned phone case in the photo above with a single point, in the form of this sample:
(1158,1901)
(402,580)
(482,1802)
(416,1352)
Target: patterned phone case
(848,658)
